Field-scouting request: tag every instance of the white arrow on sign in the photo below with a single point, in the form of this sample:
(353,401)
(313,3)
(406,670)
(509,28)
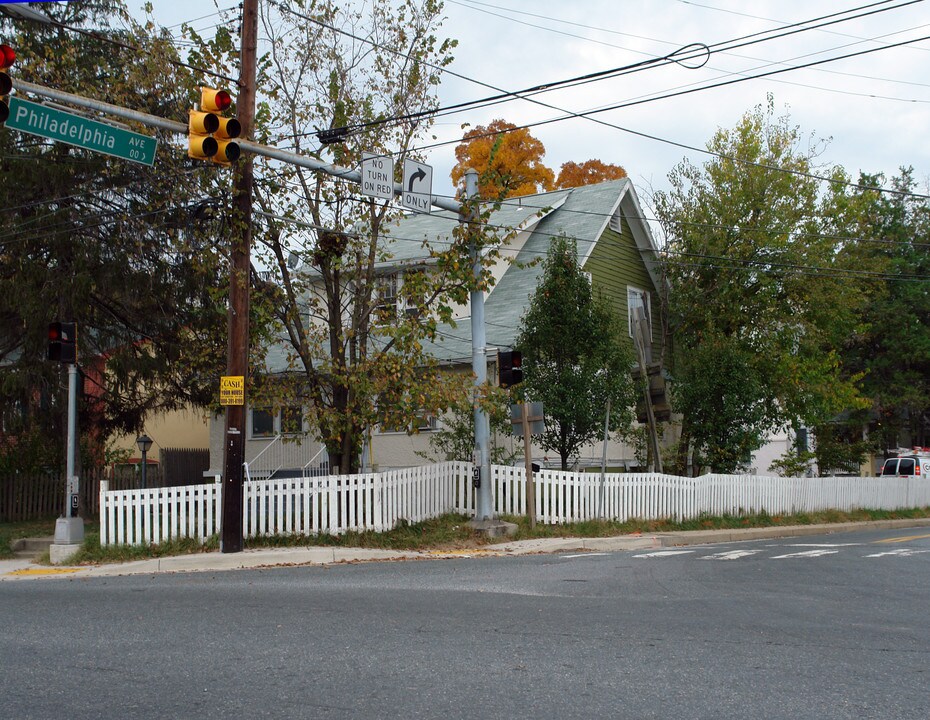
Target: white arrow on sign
(418,186)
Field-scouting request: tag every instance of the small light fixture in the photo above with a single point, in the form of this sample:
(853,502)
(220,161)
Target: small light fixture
(144,442)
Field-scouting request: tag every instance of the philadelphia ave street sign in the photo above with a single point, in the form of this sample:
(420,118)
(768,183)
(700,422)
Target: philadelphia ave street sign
(30,117)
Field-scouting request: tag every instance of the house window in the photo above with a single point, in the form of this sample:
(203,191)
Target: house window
(637,298)
(292,421)
(267,422)
(262,422)
(386,308)
(424,422)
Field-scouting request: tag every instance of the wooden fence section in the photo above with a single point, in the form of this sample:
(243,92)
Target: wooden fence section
(379,501)
(39,497)
(183,466)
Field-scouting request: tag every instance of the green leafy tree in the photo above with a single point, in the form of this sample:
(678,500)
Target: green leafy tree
(757,300)
(456,439)
(118,247)
(576,358)
(889,344)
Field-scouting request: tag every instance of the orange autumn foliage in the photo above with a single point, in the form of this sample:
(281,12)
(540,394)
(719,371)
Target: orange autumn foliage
(589,172)
(508,160)
(509,163)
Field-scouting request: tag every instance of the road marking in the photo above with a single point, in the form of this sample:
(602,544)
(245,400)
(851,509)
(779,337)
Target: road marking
(901,552)
(664,553)
(808,554)
(904,539)
(730,555)
(820,545)
(44,571)
(590,554)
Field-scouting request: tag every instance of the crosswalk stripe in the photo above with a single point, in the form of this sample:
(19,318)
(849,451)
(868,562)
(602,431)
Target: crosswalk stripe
(809,553)
(730,555)
(664,553)
(900,552)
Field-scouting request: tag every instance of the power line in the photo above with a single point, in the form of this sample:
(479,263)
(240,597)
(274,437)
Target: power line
(794,28)
(701,51)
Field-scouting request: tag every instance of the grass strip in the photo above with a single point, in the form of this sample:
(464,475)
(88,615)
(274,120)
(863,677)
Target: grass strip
(448,532)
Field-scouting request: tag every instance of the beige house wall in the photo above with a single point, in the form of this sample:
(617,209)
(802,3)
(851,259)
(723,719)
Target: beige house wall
(187,428)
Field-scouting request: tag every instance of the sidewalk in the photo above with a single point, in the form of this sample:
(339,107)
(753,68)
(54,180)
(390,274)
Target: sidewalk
(13,570)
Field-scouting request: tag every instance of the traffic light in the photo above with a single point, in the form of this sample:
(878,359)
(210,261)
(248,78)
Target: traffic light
(7,58)
(210,135)
(62,342)
(509,368)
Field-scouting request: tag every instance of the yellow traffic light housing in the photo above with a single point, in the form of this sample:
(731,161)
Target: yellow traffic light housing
(200,142)
(210,135)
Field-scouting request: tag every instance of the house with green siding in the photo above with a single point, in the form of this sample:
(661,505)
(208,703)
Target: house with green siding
(615,247)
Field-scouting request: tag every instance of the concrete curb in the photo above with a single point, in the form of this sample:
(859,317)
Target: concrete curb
(21,569)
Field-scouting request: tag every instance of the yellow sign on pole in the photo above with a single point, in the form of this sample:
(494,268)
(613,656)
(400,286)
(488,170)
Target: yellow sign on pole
(232,390)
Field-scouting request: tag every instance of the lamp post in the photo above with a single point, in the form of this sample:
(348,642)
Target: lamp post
(144,442)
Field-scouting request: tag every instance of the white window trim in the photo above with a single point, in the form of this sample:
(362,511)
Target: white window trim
(276,423)
(251,425)
(432,425)
(630,291)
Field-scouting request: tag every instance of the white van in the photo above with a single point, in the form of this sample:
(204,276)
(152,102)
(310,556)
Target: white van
(909,463)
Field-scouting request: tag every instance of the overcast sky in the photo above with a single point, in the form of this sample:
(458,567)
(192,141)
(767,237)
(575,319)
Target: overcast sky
(875,108)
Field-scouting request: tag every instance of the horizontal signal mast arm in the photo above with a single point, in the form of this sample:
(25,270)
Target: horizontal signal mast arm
(247,145)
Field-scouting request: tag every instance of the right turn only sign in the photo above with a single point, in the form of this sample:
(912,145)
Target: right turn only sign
(418,186)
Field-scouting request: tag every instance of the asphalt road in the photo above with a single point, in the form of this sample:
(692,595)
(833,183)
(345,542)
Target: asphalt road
(817,627)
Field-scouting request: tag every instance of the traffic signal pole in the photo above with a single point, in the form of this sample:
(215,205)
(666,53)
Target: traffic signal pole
(484,501)
(237,358)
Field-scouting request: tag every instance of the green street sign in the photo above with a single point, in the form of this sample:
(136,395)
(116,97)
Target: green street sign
(30,117)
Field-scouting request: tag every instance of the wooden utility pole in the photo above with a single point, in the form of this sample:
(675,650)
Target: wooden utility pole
(237,358)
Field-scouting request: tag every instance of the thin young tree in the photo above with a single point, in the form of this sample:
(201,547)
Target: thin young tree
(577,359)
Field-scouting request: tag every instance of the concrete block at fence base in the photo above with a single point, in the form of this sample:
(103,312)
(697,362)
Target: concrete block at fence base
(493,528)
(61,554)
(69,531)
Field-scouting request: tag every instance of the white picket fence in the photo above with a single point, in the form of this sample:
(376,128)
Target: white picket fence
(378,501)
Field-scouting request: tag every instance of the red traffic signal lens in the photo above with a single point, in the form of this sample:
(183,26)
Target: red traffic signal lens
(7,56)
(516,359)
(54,331)
(223,100)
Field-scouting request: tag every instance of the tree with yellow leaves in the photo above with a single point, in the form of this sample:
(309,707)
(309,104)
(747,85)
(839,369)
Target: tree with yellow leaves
(507,158)
(509,161)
